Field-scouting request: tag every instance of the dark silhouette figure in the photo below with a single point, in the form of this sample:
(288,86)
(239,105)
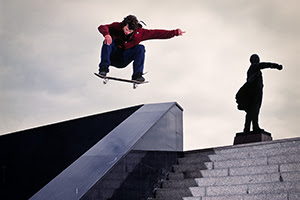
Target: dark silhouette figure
(249,96)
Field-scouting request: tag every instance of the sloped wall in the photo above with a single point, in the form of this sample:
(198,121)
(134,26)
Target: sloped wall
(29,159)
(90,168)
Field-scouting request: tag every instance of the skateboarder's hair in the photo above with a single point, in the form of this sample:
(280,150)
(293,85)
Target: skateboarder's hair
(132,22)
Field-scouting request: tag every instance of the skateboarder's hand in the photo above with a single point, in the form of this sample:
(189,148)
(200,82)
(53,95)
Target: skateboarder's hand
(280,67)
(108,40)
(180,32)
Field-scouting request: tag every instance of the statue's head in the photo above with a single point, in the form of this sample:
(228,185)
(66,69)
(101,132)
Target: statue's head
(254,58)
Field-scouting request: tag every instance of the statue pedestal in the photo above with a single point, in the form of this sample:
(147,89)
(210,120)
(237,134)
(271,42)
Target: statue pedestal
(243,138)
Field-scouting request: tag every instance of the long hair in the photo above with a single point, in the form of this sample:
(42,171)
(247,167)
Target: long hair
(132,22)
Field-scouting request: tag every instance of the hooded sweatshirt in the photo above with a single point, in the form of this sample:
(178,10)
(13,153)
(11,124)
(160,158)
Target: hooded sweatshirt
(115,30)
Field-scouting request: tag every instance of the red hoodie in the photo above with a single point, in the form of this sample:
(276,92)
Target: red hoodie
(115,30)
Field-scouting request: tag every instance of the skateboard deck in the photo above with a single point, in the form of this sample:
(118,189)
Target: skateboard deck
(106,78)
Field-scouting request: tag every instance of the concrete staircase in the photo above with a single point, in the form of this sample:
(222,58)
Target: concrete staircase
(134,177)
(257,171)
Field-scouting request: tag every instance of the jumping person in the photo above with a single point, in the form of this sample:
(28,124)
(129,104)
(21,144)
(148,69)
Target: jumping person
(249,97)
(122,45)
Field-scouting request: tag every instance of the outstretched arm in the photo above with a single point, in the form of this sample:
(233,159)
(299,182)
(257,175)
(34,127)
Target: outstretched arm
(264,65)
(161,34)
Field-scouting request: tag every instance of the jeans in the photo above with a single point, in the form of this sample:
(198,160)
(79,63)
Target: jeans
(120,58)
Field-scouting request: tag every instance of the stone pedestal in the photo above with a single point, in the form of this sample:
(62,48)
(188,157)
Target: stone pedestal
(243,138)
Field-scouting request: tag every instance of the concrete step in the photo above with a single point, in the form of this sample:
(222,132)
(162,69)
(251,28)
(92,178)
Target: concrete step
(126,194)
(239,180)
(290,176)
(261,169)
(273,160)
(176,176)
(252,189)
(198,157)
(290,167)
(290,158)
(291,187)
(228,181)
(244,148)
(172,193)
(249,179)
(199,166)
(236,171)
(251,186)
(221,164)
(233,182)
(243,191)
(276,196)
(185,183)
(279,196)
(294,196)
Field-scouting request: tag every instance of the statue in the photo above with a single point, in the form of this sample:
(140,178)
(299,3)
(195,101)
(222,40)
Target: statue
(249,96)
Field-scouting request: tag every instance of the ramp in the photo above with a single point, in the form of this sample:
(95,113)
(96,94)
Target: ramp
(154,127)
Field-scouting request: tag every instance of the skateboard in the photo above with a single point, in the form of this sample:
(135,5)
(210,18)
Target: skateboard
(107,78)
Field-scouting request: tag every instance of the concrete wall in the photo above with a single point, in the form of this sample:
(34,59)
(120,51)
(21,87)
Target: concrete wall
(29,159)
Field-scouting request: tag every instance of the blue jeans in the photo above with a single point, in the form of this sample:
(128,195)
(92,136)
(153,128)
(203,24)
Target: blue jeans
(120,58)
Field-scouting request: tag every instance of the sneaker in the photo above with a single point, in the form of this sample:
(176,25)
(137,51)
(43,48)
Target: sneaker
(138,77)
(103,71)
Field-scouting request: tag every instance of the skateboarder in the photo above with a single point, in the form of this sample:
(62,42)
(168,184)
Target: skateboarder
(249,97)
(121,45)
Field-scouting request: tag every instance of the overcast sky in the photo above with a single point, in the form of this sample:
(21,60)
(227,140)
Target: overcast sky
(50,50)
